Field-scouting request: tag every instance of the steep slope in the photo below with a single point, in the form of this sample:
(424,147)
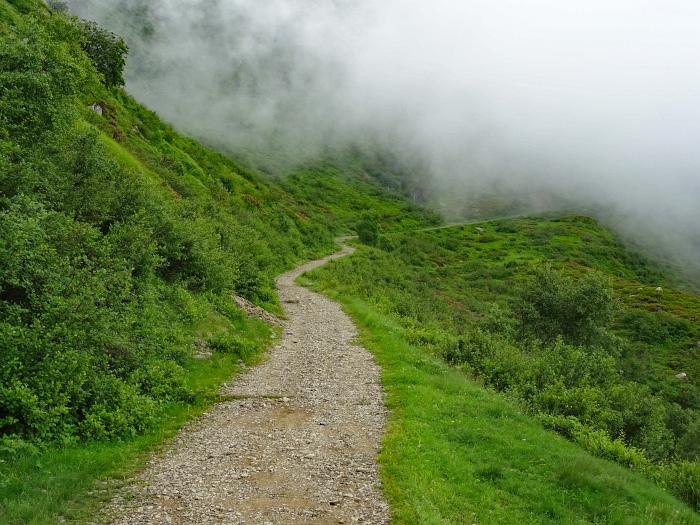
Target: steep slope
(110,219)
(122,243)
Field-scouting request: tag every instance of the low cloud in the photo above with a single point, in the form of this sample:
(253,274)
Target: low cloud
(593,102)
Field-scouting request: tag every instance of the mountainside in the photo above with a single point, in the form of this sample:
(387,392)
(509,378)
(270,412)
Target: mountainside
(559,316)
(125,245)
(114,223)
(122,244)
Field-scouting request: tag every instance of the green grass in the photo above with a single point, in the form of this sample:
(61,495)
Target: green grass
(439,288)
(44,485)
(451,277)
(456,453)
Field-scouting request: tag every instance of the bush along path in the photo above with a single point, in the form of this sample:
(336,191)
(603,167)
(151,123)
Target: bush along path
(295,442)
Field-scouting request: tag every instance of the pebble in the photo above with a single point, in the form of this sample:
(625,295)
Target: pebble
(305,430)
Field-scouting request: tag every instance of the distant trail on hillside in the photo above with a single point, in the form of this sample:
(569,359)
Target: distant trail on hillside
(297,443)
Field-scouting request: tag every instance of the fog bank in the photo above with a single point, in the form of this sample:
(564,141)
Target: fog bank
(595,102)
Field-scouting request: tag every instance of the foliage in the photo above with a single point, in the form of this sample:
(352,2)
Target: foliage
(118,237)
(554,305)
(683,478)
(455,452)
(107,51)
(39,78)
(512,304)
(368,232)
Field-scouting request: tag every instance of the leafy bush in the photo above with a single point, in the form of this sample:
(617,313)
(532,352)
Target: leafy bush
(597,442)
(107,51)
(683,479)
(38,80)
(368,232)
(162,380)
(655,327)
(554,305)
(234,344)
(640,417)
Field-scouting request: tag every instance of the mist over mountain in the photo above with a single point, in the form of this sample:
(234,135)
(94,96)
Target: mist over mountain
(592,103)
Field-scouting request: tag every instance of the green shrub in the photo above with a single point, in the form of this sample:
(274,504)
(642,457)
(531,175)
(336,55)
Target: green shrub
(107,51)
(683,479)
(572,365)
(598,442)
(655,327)
(163,380)
(554,305)
(38,80)
(234,344)
(499,320)
(640,417)
(368,232)
(586,403)
(689,442)
(117,410)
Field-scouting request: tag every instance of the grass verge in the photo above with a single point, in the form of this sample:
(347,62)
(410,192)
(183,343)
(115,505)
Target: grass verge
(69,484)
(457,453)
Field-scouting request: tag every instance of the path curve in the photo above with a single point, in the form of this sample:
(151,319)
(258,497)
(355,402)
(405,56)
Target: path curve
(297,446)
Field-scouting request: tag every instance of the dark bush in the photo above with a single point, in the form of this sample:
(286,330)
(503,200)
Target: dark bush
(683,479)
(368,232)
(107,51)
(554,305)
(38,79)
(655,327)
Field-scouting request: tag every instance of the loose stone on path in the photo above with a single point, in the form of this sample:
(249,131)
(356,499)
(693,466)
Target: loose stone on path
(297,446)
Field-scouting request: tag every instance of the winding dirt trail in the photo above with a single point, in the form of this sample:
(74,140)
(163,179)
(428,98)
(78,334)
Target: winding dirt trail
(298,445)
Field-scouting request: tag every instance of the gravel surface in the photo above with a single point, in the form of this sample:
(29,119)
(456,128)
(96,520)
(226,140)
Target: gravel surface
(298,445)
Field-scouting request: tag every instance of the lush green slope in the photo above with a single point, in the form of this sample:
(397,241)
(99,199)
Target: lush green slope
(586,343)
(113,225)
(121,244)
(456,453)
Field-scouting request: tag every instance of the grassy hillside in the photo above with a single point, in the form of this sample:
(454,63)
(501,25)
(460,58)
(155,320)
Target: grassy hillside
(456,453)
(122,243)
(560,318)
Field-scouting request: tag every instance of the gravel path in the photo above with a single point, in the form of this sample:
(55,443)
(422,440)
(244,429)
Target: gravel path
(297,446)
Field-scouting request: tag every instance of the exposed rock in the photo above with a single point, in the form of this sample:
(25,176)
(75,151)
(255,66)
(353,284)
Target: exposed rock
(659,290)
(256,311)
(682,376)
(202,349)
(98,108)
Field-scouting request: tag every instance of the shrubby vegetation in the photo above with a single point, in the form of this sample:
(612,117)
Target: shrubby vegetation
(106,50)
(367,231)
(120,238)
(559,316)
(122,242)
